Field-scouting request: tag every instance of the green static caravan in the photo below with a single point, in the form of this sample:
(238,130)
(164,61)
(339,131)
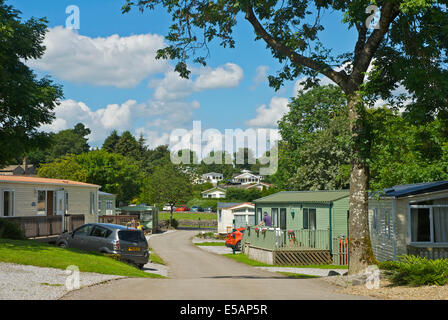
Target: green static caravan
(303,221)
(106,204)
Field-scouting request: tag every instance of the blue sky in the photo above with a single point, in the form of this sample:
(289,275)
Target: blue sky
(111,82)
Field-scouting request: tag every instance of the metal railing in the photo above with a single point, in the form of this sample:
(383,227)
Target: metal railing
(276,239)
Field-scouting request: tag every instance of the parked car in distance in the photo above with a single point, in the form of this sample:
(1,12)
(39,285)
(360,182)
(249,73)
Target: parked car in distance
(182,209)
(209,209)
(129,243)
(196,209)
(230,241)
(167,207)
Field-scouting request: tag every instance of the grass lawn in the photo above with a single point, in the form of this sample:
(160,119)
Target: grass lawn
(153,257)
(211,244)
(188,216)
(298,275)
(241,257)
(39,254)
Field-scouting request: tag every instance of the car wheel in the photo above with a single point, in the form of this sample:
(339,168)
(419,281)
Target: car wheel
(238,246)
(62,245)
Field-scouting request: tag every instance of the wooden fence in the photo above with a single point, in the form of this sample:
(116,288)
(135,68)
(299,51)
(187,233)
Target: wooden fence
(121,219)
(45,226)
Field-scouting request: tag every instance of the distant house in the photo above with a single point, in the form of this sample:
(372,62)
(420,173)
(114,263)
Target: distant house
(234,215)
(23,169)
(215,192)
(246,177)
(259,185)
(106,203)
(212,177)
(46,203)
(410,219)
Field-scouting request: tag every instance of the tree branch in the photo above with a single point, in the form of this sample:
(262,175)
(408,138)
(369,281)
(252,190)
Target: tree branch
(340,77)
(364,52)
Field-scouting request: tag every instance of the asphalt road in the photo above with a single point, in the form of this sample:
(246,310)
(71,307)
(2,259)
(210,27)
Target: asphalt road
(195,274)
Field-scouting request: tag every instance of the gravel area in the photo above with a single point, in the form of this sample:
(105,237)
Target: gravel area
(22,282)
(308,271)
(200,240)
(387,291)
(156,268)
(217,249)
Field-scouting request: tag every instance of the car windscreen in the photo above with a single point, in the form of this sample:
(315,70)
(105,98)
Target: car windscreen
(131,235)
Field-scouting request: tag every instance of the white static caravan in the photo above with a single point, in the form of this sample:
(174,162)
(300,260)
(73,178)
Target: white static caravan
(235,215)
(410,219)
(23,196)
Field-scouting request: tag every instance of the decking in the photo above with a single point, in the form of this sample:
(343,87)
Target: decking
(293,247)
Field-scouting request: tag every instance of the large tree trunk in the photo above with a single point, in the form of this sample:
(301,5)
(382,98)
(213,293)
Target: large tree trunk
(360,250)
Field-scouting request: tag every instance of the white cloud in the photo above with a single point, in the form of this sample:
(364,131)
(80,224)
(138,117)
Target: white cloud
(227,76)
(268,117)
(261,75)
(174,87)
(117,61)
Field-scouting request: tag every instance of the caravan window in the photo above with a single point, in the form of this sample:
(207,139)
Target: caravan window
(309,218)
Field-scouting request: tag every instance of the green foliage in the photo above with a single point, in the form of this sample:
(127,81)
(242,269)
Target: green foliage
(26,102)
(174,223)
(315,148)
(318,157)
(417,271)
(113,172)
(242,195)
(166,185)
(65,142)
(10,230)
(404,152)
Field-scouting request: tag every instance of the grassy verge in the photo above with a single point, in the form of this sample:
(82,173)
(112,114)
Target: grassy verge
(155,258)
(211,244)
(34,253)
(188,216)
(243,258)
(298,275)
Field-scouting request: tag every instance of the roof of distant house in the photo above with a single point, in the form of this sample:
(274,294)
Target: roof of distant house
(215,188)
(102,193)
(38,180)
(225,205)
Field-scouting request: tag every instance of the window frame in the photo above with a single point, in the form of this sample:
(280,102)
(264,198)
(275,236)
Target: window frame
(431,225)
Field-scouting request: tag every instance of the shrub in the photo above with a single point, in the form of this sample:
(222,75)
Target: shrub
(10,230)
(416,271)
(174,223)
(206,235)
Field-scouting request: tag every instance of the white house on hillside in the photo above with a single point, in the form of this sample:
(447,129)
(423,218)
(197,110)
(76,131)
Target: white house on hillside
(246,177)
(213,177)
(215,192)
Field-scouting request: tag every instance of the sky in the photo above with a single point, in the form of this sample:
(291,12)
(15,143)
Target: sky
(111,79)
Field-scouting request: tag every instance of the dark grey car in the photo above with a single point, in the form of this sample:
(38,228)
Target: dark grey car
(129,243)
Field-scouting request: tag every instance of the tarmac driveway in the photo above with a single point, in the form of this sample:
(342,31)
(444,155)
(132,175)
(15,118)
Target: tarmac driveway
(195,274)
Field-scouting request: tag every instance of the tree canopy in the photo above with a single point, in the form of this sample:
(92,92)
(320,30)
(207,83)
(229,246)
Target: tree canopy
(26,102)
